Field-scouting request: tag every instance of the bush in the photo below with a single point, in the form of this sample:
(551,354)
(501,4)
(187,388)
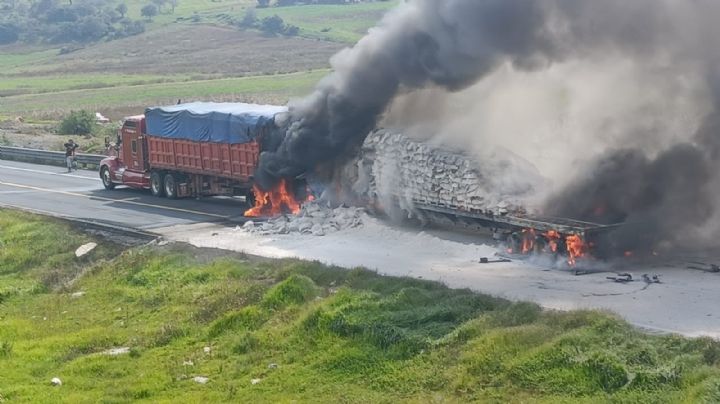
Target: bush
(78,123)
(272,25)
(149,11)
(249,20)
(294,290)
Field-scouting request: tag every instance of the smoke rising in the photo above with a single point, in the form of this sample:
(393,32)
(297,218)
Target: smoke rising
(646,71)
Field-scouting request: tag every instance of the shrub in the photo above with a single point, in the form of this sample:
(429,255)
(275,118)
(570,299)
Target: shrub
(294,290)
(272,25)
(78,123)
(149,11)
(250,317)
(6,348)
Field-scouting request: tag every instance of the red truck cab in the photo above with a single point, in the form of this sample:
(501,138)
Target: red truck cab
(129,166)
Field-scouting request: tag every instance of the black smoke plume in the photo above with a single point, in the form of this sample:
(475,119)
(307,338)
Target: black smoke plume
(453,44)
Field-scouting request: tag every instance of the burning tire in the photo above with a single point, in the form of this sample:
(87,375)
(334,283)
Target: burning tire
(171,188)
(106,179)
(250,198)
(156,184)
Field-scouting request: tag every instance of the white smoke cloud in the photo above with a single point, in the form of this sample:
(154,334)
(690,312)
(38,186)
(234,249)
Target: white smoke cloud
(560,118)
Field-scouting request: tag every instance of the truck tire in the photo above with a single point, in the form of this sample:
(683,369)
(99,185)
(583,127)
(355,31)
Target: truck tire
(156,184)
(250,198)
(171,188)
(106,179)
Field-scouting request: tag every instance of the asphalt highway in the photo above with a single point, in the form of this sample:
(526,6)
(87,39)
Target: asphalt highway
(80,195)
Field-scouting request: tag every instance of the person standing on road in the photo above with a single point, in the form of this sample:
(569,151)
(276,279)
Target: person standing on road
(70,147)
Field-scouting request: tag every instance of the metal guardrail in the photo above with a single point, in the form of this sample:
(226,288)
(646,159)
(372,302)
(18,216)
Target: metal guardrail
(47,157)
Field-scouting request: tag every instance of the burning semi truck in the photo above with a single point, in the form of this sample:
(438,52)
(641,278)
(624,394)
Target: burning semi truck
(207,149)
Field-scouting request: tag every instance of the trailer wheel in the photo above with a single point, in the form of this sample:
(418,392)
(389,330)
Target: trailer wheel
(171,188)
(106,180)
(156,184)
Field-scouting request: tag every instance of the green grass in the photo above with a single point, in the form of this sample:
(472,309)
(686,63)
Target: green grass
(10,61)
(46,84)
(277,88)
(309,333)
(341,23)
(186,9)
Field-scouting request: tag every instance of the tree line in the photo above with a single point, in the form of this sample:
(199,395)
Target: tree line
(56,21)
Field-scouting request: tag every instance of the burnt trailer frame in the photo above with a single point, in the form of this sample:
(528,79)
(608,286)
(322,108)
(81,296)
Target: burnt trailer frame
(513,223)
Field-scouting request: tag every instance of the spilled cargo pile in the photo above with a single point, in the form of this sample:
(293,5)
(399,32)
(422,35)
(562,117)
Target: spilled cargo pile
(315,218)
(399,169)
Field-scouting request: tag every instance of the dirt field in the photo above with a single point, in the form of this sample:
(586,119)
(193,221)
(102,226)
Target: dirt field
(189,49)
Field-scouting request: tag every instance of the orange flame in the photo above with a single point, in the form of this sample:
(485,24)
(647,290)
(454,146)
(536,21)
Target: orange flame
(274,202)
(528,241)
(553,238)
(576,247)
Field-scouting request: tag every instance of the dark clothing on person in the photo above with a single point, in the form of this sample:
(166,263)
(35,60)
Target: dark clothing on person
(70,149)
(70,155)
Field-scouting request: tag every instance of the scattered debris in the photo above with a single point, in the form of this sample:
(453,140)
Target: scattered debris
(485,260)
(273,366)
(55,381)
(188,363)
(77,294)
(117,351)
(84,249)
(255,381)
(207,349)
(621,278)
(201,379)
(653,279)
(712,268)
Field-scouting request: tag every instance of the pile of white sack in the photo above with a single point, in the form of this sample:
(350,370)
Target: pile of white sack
(315,218)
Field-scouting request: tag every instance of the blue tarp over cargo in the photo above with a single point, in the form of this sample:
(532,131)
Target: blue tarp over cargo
(210,122)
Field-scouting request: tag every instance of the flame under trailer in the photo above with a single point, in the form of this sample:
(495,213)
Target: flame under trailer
(196,149)
(516,228)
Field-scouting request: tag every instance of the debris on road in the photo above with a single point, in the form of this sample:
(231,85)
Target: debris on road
(621,278)
(315,219)
(486,260)
(712,268)
(649,280)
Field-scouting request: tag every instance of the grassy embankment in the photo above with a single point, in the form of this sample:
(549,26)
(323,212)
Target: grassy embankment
(306,332)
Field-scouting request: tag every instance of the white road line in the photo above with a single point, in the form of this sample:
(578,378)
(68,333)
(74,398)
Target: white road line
(50,173)
(93,197)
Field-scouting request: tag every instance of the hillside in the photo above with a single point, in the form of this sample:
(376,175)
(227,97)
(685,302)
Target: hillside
(195,53)
(161,324)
